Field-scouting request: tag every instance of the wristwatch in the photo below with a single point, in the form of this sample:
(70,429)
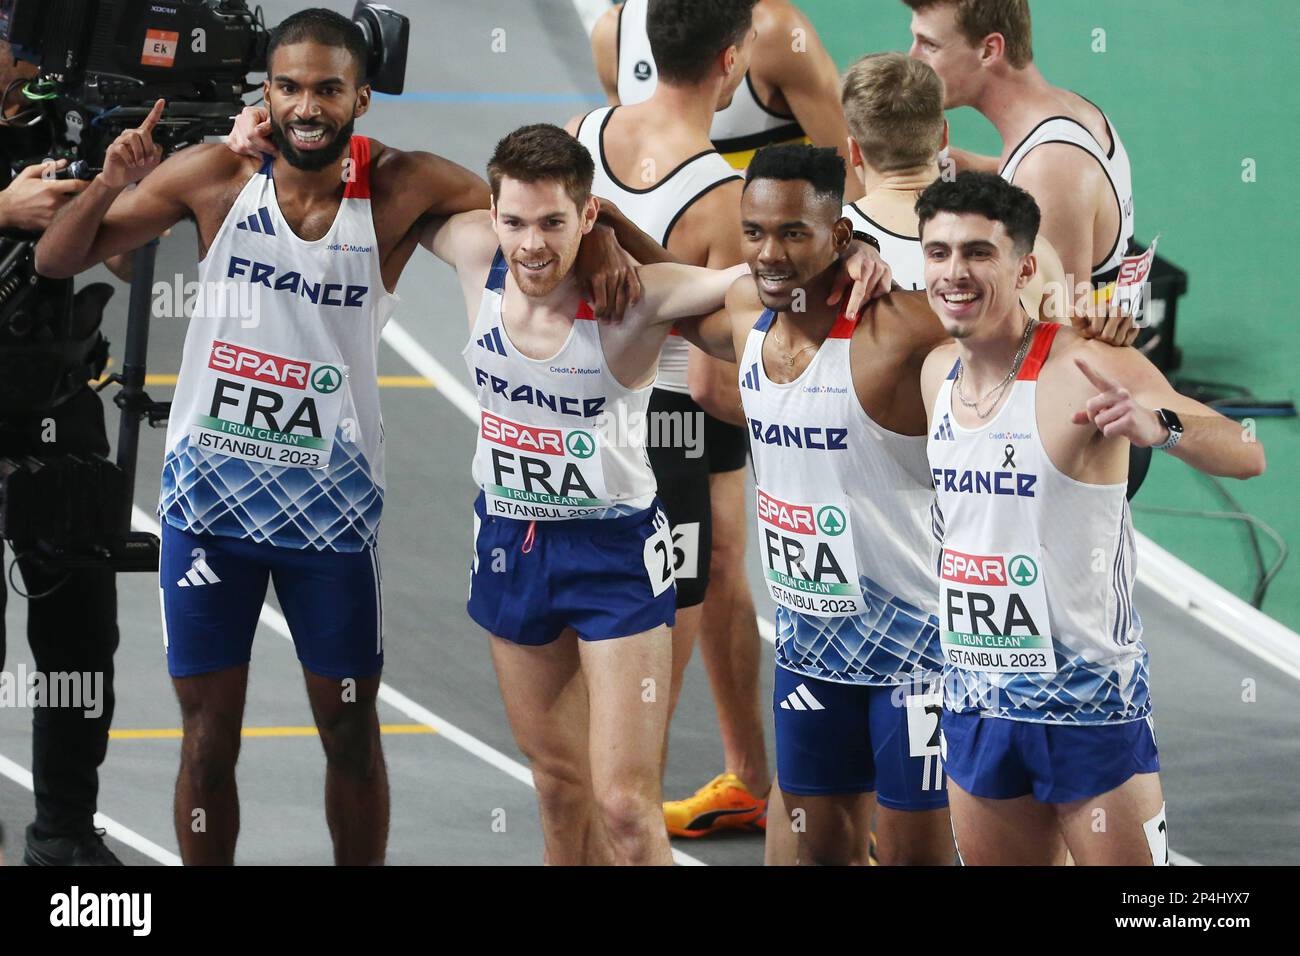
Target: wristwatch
(1172,422)
(868,238)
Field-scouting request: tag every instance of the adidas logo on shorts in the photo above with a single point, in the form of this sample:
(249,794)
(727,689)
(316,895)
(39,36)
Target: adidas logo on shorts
(801,698)
(198,575)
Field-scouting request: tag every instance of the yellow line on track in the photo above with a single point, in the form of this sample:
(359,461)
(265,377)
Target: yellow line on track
(174,733)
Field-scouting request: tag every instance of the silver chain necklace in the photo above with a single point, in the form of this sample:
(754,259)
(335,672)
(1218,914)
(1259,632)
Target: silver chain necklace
(996,390)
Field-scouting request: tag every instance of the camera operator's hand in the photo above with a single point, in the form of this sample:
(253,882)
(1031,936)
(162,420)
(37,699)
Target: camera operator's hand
(31,200)
(251,134)
(133,154)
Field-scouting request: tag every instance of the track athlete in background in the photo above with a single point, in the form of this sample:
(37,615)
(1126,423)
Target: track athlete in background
(655,162)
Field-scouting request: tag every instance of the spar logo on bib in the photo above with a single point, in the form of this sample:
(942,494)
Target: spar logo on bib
(326,379)
(1024,571)
(830,520)
(580,444)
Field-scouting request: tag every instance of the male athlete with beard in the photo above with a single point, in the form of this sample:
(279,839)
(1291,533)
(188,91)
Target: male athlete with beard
(274,466)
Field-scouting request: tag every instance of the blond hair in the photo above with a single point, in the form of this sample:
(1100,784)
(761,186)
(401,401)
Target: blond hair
(894,108)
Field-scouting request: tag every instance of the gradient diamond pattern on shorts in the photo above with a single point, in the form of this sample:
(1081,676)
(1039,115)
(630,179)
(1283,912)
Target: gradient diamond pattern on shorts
(1080,692)
(334,510)
(889,642)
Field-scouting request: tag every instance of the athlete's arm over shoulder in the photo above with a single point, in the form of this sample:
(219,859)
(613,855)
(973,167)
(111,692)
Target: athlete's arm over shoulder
(431,185)
(1119,391)
(674,291)
(604,50)
(714,333)
(466,241)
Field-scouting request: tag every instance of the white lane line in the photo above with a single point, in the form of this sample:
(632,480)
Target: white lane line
(123,834)
(400,702)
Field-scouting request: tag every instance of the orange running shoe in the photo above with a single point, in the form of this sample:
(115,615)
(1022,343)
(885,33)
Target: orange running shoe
(724,803)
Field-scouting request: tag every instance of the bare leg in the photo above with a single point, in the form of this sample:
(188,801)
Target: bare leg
(1107,830)
(828,828)
(206,806)
(913,837)
(729,643)
(684,633)
(356,780)
(628,682)
(546,703)
(1017,832)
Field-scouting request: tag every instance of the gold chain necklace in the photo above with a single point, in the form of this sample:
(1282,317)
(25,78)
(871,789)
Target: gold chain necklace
(997,389)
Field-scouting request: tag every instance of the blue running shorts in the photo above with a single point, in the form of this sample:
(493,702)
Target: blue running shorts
(850,738)
(212,588)
(1000,759)
(603,577)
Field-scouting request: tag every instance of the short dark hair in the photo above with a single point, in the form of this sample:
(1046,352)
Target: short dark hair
(538,152)
(685,35)
(821,167)
(318,25)
(987,195)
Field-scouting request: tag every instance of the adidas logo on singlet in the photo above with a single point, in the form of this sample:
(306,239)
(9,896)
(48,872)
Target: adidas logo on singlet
(751,378)
(492,342)
(259,222)
(198,575)
(945,430)
(801,698)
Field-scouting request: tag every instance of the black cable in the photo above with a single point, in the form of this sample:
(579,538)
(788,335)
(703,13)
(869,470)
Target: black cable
(1284,552)
(32,597)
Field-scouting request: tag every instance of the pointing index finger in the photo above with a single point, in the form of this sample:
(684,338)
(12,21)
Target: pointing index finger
(1099,381)
(154,116)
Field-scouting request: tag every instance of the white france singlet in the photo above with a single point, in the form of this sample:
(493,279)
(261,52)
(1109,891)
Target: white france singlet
(844,532)
(901,253)
(1036,572)
(275,432)
(655,210)
(737,132)
(549,445)
(1115,164)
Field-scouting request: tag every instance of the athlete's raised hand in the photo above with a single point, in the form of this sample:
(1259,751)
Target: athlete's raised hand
(1115,413)
(607,274)
(133,154)
(871,277)
(251,134)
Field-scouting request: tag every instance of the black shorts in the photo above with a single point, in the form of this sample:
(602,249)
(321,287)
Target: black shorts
(726,446)
(681,469)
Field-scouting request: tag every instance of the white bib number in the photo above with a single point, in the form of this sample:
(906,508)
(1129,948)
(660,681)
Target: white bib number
(269,408)
(808,559)
(539,474)
(994,613)
(658,556)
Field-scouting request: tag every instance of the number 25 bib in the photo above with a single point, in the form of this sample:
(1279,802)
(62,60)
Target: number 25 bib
(808,558)
(994,609)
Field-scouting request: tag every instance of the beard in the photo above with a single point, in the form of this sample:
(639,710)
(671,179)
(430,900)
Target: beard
(313,160)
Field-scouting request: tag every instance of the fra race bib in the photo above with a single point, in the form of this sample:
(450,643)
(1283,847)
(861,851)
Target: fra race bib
(994,610)
(269,408)
(808,559)
(539,474)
